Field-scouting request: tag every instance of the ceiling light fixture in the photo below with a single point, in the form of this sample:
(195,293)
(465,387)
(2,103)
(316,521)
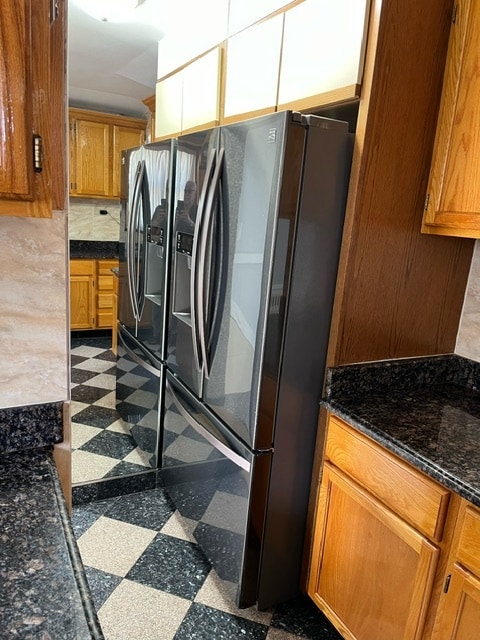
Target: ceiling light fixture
(110,10)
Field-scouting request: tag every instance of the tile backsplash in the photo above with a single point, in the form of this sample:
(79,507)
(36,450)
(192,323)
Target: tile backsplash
(468,338)
(85,222)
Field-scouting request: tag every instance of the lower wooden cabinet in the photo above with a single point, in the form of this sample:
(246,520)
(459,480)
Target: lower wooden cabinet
(91,294)
(82,294)
(459,609)
(377,539)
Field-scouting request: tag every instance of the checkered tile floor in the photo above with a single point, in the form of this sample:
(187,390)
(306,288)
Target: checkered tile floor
(148,577)
(102,446)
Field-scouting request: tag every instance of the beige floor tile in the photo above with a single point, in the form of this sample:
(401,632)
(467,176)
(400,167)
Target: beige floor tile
(108,401)
(76,407)
(134,611)
(220,594)
(113,546)
(279,634)
(98,366)
(82,433)
(87,466)
(179,527)
(86,351)
(137,456)
(102,381)
(119,426)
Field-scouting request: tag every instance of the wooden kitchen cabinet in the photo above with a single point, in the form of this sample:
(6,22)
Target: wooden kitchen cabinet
(91,294)
(459,610)
(25,91)
(82,294)
(376,543)
(96,143)
(452,205)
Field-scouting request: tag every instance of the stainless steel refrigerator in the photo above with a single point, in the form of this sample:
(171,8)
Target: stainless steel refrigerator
(254,266)
(147,175)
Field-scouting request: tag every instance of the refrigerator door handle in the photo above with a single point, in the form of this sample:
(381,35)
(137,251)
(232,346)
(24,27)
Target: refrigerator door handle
(143,363)
(194,282)
(144,214)
(217,444)
(201,292)
(131,239)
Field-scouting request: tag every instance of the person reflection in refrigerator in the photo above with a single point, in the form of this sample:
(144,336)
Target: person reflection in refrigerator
(186,212)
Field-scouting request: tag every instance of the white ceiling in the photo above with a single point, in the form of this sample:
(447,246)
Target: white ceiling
(112,66)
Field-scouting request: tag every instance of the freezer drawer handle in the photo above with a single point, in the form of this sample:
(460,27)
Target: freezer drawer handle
(138,360)
(224,450)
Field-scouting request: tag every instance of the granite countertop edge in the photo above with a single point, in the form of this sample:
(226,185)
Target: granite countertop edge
(385,400)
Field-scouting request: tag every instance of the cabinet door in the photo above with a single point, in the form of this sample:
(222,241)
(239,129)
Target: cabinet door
(452,206)
(168,106)
(371,572)
(92,158)
(82,294)
(201,92)
(24,108)
(461,618)
(105,293)
(322,52)
(252,68)
(124,137)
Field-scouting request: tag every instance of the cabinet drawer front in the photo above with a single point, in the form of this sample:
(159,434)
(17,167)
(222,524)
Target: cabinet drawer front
(469,546)
(82,267)
(105,266)
(104,318)
(105,301)
(105,283)
(408,492)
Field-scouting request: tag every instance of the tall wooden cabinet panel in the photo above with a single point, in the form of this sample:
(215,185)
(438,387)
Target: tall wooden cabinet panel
(25,189)
(124,137)
(201,91)
(453,195)
(168,106)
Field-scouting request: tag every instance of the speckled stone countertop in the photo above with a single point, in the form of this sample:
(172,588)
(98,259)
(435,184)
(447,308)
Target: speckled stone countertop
(426,410)
(93,249)
(43,593)
(30,427)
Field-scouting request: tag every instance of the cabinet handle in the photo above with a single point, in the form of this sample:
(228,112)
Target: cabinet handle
(53,11)
(447,583)
(37,153)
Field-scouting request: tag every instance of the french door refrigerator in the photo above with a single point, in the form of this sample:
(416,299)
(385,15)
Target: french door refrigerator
(144,251)
(253,279)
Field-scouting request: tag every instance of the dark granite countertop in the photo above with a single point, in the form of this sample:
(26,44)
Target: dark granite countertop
(426,410)
(44,593)
(93,249)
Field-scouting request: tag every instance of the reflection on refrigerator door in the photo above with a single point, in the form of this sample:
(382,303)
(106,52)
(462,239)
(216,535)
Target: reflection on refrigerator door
(138,399)
(209,475)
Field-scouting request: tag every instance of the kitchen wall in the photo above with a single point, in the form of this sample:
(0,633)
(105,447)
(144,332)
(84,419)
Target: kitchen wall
(87,223)
(33,311)
(468,339)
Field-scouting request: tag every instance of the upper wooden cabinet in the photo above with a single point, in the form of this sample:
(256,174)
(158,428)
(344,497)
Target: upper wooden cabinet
(96,143)
(322,53)
(25,90)
(189,99)
(251,75)
(452,205)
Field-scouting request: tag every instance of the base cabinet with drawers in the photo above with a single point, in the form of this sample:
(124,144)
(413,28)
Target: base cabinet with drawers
(92,294)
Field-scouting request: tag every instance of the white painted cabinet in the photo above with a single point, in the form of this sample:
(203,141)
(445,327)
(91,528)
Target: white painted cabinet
(201,91)
(168,106)
(323,52)
(189,98)
(243,14)
(253,62)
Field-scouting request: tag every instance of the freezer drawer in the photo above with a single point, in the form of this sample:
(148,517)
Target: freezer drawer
(219,484)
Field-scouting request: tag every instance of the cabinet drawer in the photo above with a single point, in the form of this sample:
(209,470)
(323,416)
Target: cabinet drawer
(405,490)
(469,546)
(105,301)
(105,283)
(82,267)
(105,266)
(104,318)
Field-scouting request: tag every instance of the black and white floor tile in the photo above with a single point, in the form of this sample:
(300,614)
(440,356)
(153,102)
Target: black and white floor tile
(148,577)
(150,581)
